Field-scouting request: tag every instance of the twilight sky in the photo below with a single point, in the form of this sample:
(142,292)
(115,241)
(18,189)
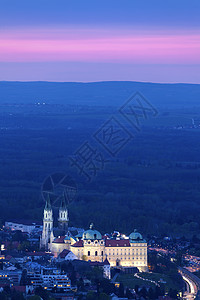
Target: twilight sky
(156,41)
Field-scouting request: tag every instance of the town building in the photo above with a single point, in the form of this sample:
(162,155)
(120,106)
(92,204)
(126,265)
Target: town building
(24,226)
(121,252)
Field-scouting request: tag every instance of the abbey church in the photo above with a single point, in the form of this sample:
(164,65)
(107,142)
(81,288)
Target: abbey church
(123,252)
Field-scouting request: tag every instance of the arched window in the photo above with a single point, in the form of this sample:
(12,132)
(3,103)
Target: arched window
(95,236)
(61,215)
(46,215)
(101,253)
(95,253)
(88,253)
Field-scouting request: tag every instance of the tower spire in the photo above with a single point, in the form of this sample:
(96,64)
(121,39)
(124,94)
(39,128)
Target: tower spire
(47,224)
(48,203)
(63,204)
(63,214)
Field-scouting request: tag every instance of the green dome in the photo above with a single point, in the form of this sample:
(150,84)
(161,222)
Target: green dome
(92,234)
(135,236)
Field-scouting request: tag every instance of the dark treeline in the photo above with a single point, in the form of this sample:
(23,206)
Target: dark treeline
(151,185)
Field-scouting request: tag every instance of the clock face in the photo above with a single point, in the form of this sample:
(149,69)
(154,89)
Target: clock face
(58,186)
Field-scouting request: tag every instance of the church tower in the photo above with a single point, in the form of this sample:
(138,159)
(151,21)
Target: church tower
(47,224)
(63,215)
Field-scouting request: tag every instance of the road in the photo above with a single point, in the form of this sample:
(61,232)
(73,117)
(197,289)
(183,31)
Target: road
(192,284)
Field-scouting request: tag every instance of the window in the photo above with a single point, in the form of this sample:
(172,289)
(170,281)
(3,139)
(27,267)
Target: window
(101,253)
(88,253)
(95,236)
(95,253)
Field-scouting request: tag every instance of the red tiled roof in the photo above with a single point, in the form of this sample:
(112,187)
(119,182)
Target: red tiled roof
(59,240)
(78,244)
(64,253)
(117,243)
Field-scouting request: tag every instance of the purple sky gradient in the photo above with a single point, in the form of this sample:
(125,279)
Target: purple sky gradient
(113,46)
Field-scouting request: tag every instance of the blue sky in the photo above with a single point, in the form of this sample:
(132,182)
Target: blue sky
(100,40)
(170,13)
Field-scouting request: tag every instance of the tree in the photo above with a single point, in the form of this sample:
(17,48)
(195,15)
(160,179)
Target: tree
(72,277)
(173,294)
(91,296)
(42,293)
(84,257)
(17,296)
(24,279)
(3,296)
(103,296)
(151,293)
(18,236)
(128,294)
(136,288)
(143,292)
(80,284)
(35,297)
(106,286)
(158,292)
(121,290)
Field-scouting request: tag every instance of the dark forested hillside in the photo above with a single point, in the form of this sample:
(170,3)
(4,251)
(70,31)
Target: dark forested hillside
(152,184)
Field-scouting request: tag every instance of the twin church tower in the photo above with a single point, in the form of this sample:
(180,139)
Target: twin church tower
(48,221)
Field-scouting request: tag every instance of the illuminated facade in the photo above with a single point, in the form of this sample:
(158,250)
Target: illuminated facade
(48,234)
(124,252)
(129,252)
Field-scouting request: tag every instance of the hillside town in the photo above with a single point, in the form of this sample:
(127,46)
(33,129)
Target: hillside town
(62,262)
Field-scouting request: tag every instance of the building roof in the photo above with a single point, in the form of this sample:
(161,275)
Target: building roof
(92,234)
(63,205)
(136,237)
(117,243)
(106,262)
(59,240)
(67,238)
(78,244)
(48,203)
(64,253)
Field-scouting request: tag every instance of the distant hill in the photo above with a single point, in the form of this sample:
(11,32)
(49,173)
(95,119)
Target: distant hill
(112,93)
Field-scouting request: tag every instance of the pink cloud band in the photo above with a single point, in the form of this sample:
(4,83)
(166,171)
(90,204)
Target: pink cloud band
(78,45)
